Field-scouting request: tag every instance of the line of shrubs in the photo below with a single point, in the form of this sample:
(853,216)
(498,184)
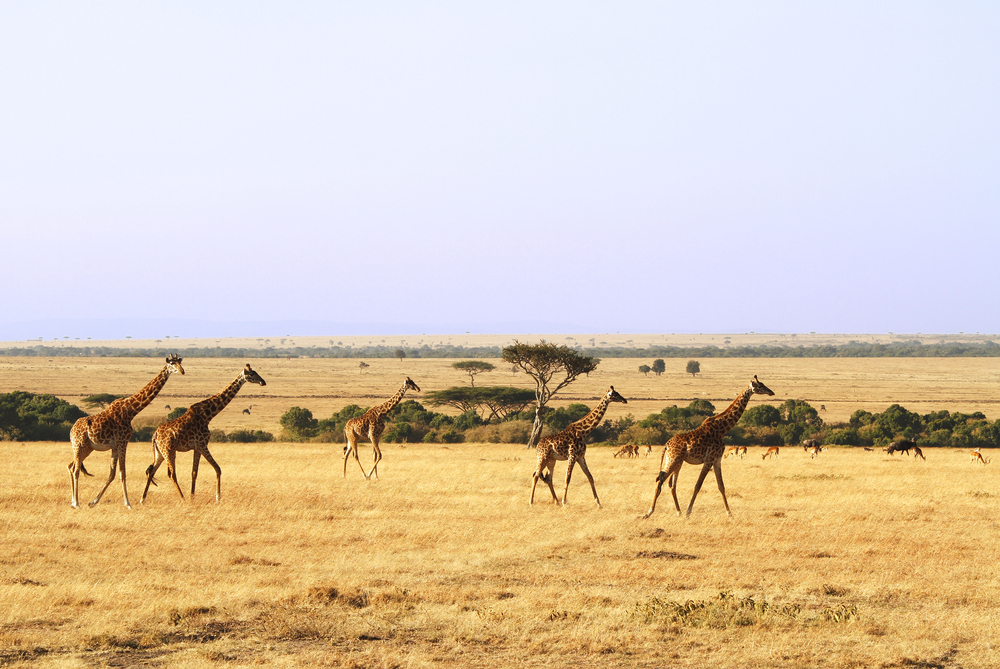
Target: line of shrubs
(763,425)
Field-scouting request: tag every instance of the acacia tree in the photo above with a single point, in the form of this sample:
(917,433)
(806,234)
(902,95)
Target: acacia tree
(693,367)
(400,353)
(659,366)
(491,401)
(645,369)
(473,367)
(552,367)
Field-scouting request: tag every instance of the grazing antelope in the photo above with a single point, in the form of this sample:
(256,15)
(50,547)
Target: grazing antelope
(627,451)
(732,450)
(771,451)
(741,452)
(703,446)
(978,457)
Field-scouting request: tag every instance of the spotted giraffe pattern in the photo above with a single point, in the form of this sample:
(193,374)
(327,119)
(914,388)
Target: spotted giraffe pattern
(190,433)
(703,446)
(571,445)
(370,426)
(112,429)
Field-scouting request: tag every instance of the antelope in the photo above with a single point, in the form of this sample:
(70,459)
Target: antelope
(814,451)
(627,450)
(916,452)
(732,450)
(741,451)
(978,457)
(771,451)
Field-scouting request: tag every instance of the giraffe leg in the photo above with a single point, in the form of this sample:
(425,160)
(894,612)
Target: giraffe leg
(666,475)
(352,449)
(697,486)
(544,462)
(722,486)
(218,474)
(75,467)
(194,469)
(172,470)
(151,471)
(586,470)
(569,473)
(111,477)
(378,457)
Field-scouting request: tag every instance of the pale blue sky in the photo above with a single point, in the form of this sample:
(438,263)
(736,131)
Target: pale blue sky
(500,167)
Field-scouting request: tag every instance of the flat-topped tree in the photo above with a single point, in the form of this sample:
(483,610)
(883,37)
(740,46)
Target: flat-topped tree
(473,367)
(552,367)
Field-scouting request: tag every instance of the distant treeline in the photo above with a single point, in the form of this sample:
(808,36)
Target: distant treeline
(853,349)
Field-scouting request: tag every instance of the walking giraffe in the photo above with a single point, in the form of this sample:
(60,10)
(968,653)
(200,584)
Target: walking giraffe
(371,425)
(190,433)
(112,429)
(570,445)
(703,446)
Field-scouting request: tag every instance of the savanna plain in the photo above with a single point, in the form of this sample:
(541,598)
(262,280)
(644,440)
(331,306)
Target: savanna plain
(849,559)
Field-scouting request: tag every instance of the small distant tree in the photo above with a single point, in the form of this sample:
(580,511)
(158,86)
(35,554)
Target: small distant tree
(553,367)
(645,369)
(362,366)
(473,367)
(659,366)
(400,354)
(100,400)
(693,367)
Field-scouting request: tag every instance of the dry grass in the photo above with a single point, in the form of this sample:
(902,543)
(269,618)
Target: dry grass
(852,559)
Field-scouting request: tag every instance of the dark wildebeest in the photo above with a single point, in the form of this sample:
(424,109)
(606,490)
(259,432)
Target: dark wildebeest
(902,446)
(809,443)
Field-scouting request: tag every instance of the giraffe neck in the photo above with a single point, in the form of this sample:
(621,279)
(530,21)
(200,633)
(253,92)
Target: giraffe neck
(130,406)
(728,418)
(386,407)
(586,425)
(211,407)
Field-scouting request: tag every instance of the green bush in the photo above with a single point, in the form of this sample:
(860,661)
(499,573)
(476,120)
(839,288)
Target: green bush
(26,416)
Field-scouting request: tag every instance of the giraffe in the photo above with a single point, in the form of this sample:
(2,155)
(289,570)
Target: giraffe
(703,446)
(571,445)
(112,429)
(371,425)
(190,433)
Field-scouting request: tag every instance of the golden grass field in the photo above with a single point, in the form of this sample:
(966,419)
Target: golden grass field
(852,559)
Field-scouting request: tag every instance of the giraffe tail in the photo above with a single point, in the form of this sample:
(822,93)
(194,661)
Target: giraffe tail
(84,470)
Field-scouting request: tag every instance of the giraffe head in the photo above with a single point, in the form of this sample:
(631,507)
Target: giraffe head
(759,388)
(410,385)
(174,364)
(250,376)
(613,396)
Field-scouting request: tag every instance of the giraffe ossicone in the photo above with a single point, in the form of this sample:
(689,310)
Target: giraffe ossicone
(111,429)
(190,432)
(571,445)
(703,446)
